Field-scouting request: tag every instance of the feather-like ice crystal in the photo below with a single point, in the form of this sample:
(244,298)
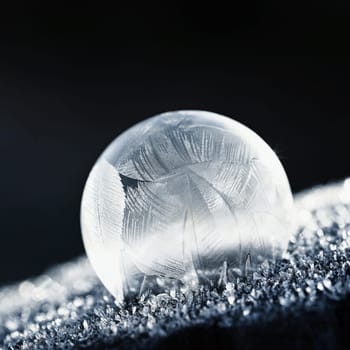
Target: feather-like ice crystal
(182,196)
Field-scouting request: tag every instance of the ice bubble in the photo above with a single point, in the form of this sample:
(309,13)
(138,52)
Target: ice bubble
(180,195)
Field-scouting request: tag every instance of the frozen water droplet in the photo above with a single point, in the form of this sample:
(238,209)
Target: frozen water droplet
(85,325)
(180,195)
(221,307)
(327,283)
(231,299)
(333,247)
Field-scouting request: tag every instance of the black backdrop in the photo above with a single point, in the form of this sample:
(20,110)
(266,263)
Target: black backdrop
(73,78)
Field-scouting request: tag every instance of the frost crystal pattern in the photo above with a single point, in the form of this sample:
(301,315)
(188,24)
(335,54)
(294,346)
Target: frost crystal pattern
(179,196)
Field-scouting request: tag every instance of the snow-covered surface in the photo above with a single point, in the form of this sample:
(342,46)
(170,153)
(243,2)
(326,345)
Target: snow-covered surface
(68,308)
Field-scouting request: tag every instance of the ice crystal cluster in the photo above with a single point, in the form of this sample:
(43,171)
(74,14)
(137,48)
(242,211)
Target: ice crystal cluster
(180,195)
(68,308)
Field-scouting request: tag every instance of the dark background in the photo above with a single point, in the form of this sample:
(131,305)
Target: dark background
(73,78)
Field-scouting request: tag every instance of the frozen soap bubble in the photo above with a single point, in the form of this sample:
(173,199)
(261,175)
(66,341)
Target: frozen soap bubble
(179,196)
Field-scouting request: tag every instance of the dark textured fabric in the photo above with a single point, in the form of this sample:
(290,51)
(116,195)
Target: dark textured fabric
(300,301)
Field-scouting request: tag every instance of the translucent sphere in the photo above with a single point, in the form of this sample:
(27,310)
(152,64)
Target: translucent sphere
(179,195)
